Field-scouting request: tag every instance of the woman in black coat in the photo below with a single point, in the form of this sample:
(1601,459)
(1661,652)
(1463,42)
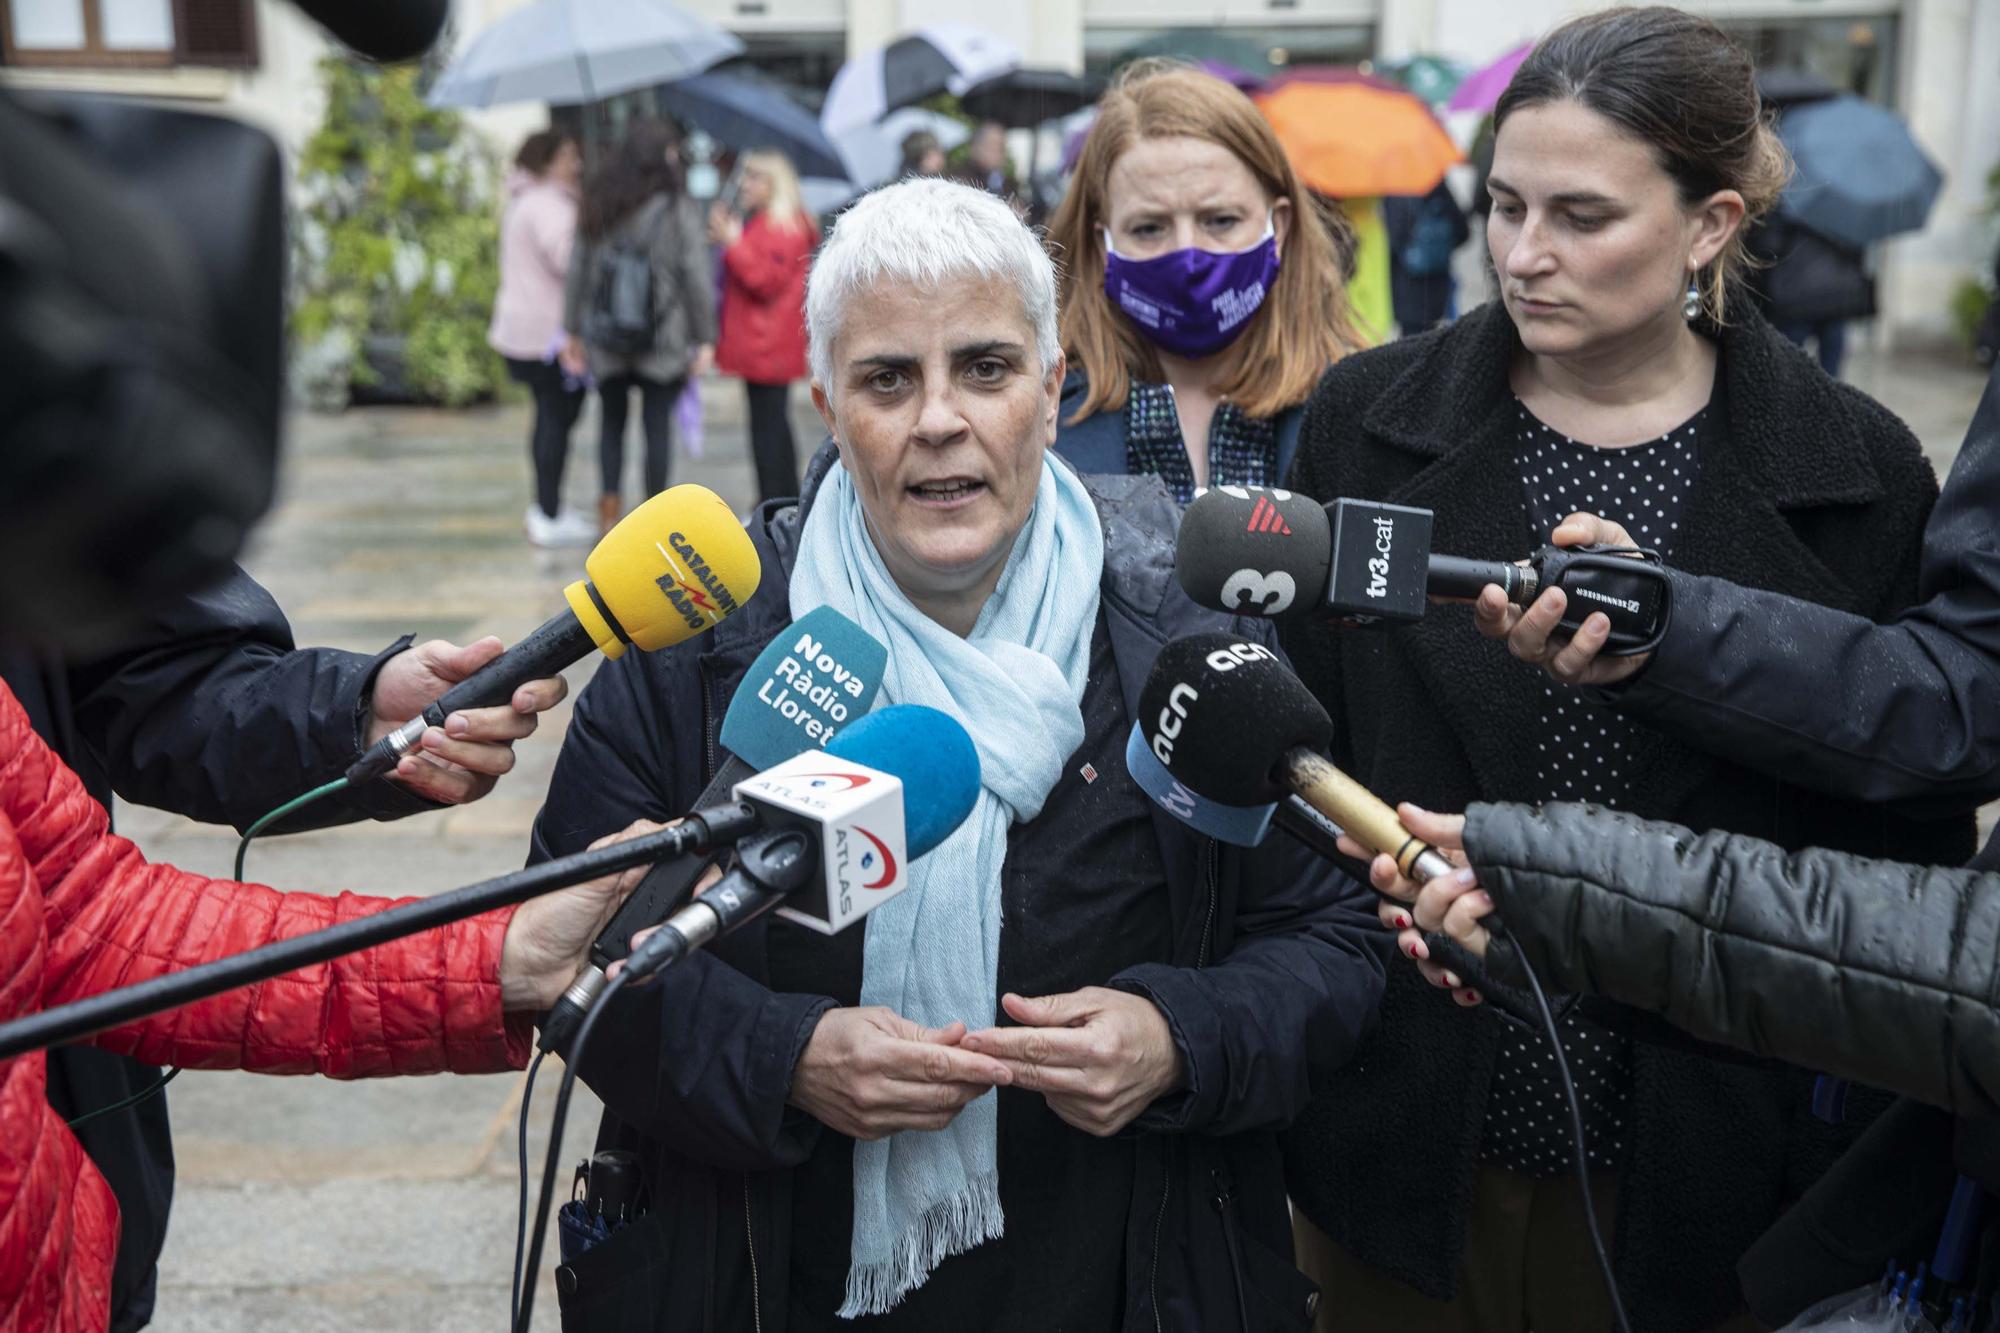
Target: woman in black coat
(1616,238)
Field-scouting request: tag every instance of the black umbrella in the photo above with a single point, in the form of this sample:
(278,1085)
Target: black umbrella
(1785,86)
(940,57)
(744,113)
(1027,97)
(1861,175)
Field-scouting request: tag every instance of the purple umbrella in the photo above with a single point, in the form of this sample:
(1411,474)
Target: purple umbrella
(1228,73)
(1482,91)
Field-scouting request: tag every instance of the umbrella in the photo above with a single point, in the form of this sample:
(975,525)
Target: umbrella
(1350,140)
(1334,74)
(1432,78)
(1785,86)
(571,51)
(1482,88)
(1240,79)
(745,113)
(872,153)
(1861,177)
(1028,97)
(942,57)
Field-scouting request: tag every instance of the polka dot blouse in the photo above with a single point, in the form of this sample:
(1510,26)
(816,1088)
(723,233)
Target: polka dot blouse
(1582,757)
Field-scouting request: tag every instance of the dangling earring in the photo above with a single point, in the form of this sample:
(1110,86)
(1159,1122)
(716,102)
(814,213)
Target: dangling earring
(1691,307)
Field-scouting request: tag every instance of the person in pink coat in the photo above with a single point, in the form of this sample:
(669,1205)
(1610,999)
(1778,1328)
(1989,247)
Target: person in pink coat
(765,254)
(536,233)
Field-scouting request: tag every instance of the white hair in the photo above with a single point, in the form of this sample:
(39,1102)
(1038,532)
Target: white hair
(926,232)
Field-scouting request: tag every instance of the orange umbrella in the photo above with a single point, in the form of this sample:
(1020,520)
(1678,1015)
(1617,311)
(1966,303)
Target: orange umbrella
(1350,140)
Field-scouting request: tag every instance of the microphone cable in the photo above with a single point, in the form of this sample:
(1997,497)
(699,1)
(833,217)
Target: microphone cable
(521,1210)
(552,1161)
(1576,1138)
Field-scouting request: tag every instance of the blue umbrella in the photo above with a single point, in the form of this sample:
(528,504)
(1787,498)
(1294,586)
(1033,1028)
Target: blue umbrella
(1861,177)
(744,113)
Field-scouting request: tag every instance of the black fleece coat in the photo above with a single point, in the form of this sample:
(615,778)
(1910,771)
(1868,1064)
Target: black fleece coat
(1806,487)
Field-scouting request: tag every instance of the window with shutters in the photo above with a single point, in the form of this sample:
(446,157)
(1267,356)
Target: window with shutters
(100,34)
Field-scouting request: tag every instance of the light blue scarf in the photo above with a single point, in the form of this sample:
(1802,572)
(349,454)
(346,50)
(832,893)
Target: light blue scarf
(932,953)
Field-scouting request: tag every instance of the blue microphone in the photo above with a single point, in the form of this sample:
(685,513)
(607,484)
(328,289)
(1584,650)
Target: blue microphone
(818,675)
(844,824)
(822,672)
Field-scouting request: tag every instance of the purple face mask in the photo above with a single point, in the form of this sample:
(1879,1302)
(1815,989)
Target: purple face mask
(1192,302)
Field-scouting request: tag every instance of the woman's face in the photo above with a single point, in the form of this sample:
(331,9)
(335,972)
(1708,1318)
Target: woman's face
(566,167)
(1588,234)
(753,191)
(1183,193)
(942,412)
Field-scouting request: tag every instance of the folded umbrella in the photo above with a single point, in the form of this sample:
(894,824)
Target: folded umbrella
(745,113)
(1482,88)
(1861,176)
(1352,140)
(941,57)
(573,51)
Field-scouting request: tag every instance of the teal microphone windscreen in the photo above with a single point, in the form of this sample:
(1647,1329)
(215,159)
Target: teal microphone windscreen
(821,673)
(932,755)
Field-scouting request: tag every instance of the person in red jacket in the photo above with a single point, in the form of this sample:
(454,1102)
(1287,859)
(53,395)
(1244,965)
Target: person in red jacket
(81,911)
(765,254)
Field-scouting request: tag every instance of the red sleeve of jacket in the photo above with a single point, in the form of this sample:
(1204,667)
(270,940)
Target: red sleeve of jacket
(414,1006)
(766,258)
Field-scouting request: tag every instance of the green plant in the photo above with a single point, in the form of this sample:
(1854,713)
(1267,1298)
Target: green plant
(1973,297)
(397,233)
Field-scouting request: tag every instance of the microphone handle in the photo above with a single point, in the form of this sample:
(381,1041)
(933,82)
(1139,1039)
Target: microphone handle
(1455,576)
(665,887)
(110,1009)
(559,642)
(1364,816)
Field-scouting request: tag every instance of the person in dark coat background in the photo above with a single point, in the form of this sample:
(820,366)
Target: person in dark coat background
(751,1124)
(1615,237)
(1424,233)
(210,711)
(1811,286)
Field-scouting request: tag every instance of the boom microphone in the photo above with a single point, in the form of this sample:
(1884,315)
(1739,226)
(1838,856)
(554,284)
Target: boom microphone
(846,823)
(1271,553)
(817,675)
(670,569)
(387,30)
(1234,727)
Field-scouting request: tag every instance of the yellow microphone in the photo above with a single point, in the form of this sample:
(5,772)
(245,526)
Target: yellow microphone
(670,569)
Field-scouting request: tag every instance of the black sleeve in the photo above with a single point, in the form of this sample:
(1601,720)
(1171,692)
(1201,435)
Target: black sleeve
(210,711)
(1290,1000)
(1870,970)
(1901,711)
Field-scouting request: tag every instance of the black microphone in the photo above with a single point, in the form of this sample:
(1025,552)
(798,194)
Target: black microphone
(1275,554)
(1229,722)
(386,30)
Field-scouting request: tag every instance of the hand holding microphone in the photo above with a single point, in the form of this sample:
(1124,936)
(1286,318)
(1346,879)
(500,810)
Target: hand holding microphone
(1451,904)
(672,568)
(1529,632)
(459,761)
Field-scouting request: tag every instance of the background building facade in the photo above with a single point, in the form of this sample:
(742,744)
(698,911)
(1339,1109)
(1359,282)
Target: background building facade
(1935,61)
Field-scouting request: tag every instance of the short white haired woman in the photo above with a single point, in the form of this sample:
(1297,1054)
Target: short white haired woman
(837,1095)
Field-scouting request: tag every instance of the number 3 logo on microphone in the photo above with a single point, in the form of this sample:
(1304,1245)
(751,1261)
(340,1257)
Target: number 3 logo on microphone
(1252,593)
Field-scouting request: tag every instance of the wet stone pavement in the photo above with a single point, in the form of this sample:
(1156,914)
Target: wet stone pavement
(319,1207)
